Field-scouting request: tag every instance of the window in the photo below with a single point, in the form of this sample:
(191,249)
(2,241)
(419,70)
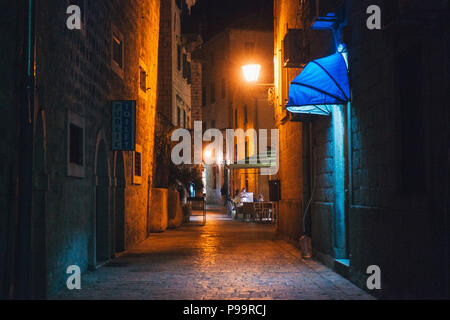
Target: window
(178,117)
(137,165)
(76,152)
(179,58)
(245,115)
(224,89)
(185,67)
(204,96)
(213,92)
(189,73)
(75,145)
(143,79)
(184,119)
(117,51)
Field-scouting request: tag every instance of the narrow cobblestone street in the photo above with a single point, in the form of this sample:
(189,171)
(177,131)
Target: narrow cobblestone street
(223,260)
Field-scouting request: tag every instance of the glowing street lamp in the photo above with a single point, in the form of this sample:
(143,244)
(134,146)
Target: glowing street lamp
(207,155)
(251,72)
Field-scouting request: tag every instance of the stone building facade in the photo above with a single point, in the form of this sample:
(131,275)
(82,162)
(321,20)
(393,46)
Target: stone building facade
(251,111)
(88,202)
(174,76)
(174,106)
(376,170)
(223,56)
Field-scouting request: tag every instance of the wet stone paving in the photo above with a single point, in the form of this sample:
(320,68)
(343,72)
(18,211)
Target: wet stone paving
(224,259)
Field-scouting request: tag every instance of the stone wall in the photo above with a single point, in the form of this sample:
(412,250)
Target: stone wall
(291,171)
(75,78)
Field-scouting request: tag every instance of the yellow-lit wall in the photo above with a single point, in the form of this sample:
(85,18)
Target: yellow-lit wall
(291,171)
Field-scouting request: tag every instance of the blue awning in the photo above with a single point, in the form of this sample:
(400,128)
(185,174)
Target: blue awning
(322,84)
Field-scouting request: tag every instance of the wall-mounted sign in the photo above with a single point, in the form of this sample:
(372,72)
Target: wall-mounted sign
(123,125)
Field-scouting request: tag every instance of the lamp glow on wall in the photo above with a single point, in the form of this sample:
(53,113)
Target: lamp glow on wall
(251,72)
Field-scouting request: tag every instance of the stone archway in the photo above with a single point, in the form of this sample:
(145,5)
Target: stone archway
(102,220)
(119,210)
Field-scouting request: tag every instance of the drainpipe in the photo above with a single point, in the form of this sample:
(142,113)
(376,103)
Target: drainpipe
(23,258)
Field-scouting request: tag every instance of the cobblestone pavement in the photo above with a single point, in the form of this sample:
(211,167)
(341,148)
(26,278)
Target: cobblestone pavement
(223,260)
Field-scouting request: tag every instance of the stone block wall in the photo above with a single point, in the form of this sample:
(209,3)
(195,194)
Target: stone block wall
(75,75)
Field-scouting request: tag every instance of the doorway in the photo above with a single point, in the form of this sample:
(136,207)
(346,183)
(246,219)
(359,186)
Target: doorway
(102,207)
(119,211)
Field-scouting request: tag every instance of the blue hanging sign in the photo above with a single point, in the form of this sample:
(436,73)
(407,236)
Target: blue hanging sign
(123,125)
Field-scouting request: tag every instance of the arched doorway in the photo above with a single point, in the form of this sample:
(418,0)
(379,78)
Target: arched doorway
(119,212)
(101,205)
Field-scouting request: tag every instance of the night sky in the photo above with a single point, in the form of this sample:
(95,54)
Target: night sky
(210,17)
